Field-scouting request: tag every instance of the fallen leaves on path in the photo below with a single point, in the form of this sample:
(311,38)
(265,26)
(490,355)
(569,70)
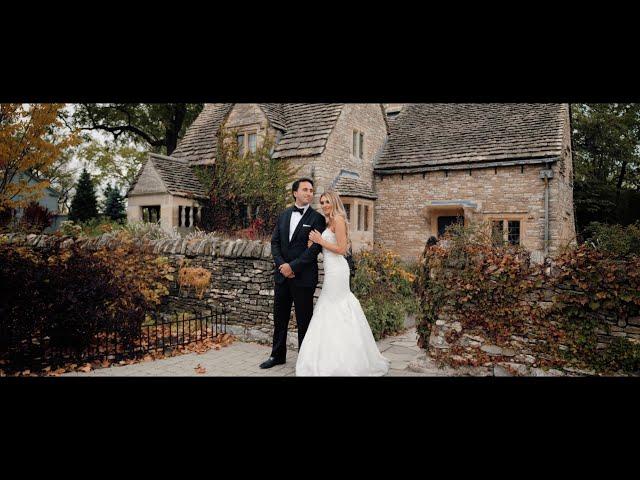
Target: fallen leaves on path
(200,347)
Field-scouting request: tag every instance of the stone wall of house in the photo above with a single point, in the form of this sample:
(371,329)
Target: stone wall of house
(562,220)
(245,115)
(249,118)
(241,280)
(403,211)
(169,209)
(367,118)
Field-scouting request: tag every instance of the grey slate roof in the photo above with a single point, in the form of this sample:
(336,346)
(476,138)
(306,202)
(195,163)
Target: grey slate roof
(275,114)
(178,176)
(306,129)
(445,134)
(352,186)
(199,144)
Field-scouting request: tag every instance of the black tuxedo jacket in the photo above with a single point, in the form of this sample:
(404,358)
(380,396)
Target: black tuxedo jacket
(303,260)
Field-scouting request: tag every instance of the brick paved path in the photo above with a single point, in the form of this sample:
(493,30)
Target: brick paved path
(242,359)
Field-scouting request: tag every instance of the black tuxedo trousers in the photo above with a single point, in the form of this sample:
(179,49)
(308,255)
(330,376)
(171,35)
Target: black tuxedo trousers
(296,291)
(286,294)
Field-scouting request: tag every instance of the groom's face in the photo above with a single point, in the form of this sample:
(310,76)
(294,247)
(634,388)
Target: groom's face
(304,194)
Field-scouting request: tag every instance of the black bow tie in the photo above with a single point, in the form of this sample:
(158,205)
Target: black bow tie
(299,210)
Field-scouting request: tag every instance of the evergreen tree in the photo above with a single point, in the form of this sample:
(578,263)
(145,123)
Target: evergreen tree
(114,204)
(84,205)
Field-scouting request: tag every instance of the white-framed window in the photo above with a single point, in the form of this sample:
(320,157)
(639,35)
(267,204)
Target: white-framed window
(358,144)
(252,140)
(247,142)
(241,148)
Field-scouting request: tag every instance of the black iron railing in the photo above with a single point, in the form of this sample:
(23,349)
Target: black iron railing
(161,332)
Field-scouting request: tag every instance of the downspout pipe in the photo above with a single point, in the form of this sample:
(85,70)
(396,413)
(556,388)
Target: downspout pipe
(546,175)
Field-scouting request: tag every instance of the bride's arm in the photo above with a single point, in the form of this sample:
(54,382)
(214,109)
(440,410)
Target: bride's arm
(341,236)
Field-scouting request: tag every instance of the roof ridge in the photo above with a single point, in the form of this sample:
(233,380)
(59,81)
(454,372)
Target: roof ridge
(167,157)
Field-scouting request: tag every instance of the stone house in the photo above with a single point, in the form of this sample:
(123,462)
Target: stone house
(404,171)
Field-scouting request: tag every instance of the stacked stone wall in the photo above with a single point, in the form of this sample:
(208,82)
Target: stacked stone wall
(241,278)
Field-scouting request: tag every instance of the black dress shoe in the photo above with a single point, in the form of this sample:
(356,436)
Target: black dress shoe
(271,362)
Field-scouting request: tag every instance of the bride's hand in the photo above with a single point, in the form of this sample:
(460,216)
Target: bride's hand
(316,237)
(309,243)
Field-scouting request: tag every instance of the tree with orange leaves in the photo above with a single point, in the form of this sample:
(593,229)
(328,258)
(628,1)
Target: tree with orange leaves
(31,140)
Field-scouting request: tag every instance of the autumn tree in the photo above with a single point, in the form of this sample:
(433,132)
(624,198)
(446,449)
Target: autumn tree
(84,205)
(32,140)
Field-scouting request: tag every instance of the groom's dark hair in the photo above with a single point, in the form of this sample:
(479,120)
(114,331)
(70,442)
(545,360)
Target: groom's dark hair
(296,184)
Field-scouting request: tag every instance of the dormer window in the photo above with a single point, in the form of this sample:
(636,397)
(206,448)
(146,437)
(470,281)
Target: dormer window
(247,142)
(241,144)
(358,144)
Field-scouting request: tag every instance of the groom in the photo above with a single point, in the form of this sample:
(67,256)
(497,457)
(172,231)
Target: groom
(296,268)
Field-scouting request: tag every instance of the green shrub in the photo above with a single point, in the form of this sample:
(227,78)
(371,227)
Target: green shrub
(385,289)
(621,355)
(615,239)
(385,317)
(70,229)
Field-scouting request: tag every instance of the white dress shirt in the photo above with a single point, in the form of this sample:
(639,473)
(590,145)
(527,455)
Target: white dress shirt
(295,220)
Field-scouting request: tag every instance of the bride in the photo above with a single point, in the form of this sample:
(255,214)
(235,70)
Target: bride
(339,341)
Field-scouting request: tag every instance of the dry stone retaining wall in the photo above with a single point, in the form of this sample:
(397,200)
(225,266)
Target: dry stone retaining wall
(519,357)
(241,278)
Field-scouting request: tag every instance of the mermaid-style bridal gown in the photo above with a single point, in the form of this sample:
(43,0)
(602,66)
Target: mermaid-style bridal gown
(339,341)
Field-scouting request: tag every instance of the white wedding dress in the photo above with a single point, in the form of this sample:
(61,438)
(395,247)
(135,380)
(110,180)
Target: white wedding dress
(339,341)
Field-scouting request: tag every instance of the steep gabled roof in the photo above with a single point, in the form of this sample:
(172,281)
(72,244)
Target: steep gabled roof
(308,128)
(444,134)
(177,175)
(199,144)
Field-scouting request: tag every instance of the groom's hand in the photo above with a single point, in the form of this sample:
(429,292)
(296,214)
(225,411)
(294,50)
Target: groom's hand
(285,269)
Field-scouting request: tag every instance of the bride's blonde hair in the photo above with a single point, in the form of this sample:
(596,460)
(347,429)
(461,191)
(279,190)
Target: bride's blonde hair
(337,209)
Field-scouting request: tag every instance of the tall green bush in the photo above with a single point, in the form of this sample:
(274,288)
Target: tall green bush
(384,287)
